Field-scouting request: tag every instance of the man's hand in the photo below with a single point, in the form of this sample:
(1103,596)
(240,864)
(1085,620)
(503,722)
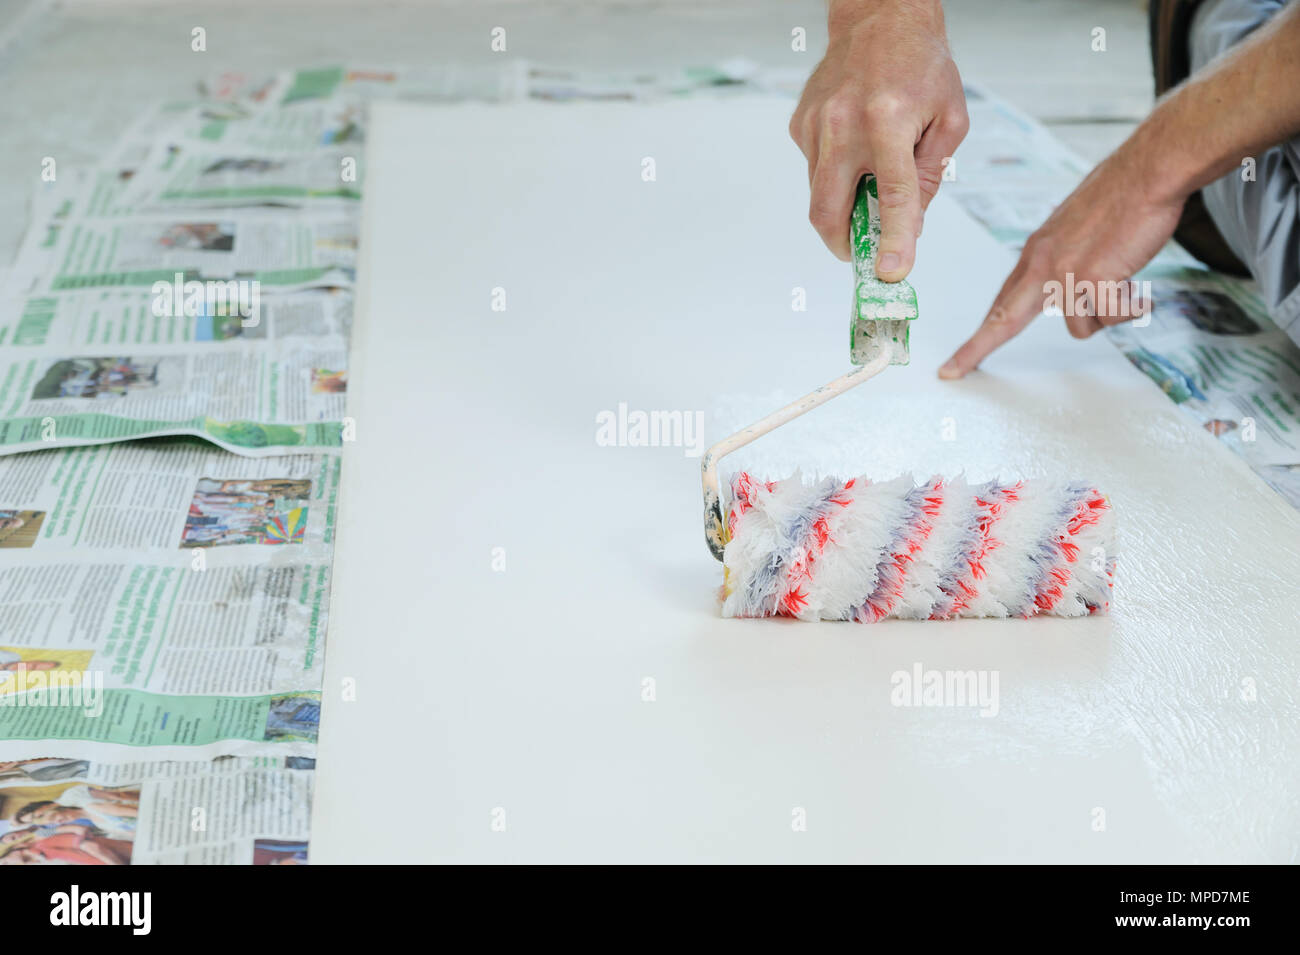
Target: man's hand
(1242,103)
(886,99)
(1104,232)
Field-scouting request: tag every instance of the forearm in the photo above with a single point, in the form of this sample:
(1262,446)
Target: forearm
(1237,107)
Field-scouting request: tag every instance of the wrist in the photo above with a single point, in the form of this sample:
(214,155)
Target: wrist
(842,16)
(1162,175)
(1172,158)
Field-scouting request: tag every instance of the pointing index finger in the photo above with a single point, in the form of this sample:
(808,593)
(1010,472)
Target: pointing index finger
(1019,302)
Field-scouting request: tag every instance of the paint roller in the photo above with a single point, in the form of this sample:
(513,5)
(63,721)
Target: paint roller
(866,551)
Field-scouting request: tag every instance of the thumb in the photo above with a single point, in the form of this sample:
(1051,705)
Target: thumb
(899,198)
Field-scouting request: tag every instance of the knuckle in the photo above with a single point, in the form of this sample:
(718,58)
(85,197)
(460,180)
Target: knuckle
(826,218)
(1038,254)
(959,122)
(886,107)
(840,112)
(796,126)
(998,318)
(1079,326)
(821,215)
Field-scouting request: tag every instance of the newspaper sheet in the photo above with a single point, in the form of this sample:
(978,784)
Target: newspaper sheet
(163,594)
(280,253)
(190,175)
(1212,348)
(99,318)
(72,811)
(105,365)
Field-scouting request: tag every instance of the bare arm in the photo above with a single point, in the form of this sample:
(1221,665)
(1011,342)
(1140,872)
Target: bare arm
(1127,208)
(1242,104)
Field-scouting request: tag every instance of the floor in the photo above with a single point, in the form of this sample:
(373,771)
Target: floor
(85,68)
